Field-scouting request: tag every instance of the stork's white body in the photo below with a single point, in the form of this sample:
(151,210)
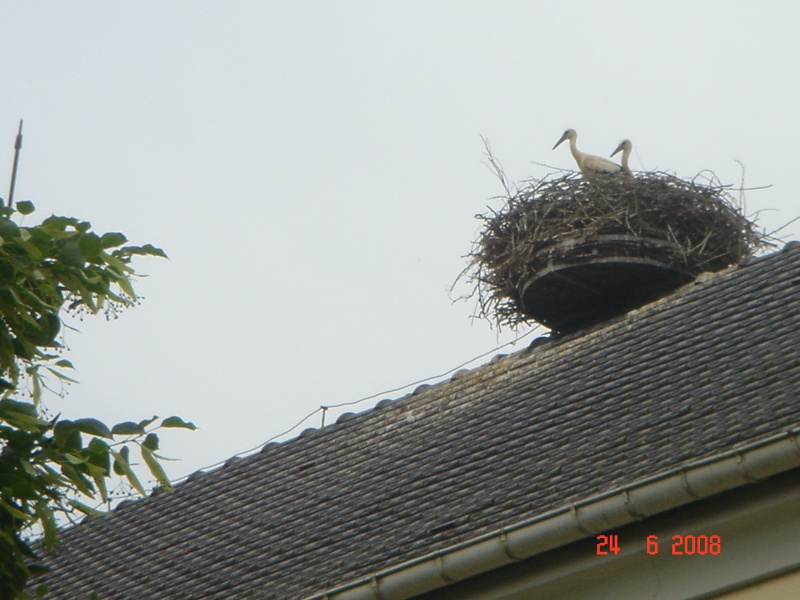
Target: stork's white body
(589,164)
(625,146)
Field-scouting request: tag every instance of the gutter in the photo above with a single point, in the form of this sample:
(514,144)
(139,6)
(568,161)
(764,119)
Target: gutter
(743,465)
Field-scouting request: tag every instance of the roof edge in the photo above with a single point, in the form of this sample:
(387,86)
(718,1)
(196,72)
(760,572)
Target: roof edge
(743,465)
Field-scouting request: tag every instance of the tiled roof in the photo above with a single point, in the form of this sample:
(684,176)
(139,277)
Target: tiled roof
(715,365)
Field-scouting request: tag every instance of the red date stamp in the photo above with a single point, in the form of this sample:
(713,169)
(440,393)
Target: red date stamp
(681,545)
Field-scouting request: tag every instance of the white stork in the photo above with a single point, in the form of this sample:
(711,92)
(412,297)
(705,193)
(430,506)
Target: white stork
(589,164)
(625,147)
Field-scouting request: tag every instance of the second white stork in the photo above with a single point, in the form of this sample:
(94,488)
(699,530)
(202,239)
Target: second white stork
(589,164)
(625,146)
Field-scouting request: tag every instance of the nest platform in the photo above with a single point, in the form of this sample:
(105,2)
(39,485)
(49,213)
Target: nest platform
(569,252)
(595,279)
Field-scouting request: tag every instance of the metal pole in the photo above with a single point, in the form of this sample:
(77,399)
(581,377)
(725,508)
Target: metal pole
(17,148)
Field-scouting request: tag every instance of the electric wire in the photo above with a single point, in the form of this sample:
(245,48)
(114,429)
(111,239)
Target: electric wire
(324,408)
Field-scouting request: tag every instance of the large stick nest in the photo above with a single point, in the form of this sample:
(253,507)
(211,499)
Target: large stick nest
(704,228)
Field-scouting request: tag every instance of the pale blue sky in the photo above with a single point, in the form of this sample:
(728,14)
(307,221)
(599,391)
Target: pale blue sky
(313,169)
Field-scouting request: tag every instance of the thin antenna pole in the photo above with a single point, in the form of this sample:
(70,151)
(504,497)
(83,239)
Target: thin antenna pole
(17,148)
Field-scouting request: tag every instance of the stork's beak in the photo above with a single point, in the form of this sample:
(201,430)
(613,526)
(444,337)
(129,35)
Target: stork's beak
(619,149)
(563,137)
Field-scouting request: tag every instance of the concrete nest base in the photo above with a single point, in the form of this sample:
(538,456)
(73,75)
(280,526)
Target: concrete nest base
(590,280)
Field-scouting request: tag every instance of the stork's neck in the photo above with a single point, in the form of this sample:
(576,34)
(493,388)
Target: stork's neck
(576,154)
(625,154)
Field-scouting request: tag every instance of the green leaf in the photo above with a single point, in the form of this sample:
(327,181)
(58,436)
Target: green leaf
(146,250)
(73,460)
(14,512)
(62,430)
(7,227)
(127,428)
(152,250)
(59,223)
(85,508)
(99,464)
(91,246)
(45,330)
(64,364)
(178,422)
(151,442)
(113,239)
(74,441)
(22,415)
(100,482)
(115,263)
(78,479)
(48,521)
(125,284)
(62,376)
(23,408)
(155,467)
(125,467)
(36,379)
(25,207)
(28,468)
(93,427)
(54,478)
(71,255)
(147,422)
(97,446)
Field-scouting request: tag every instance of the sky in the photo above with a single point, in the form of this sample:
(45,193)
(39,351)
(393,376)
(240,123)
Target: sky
(313,170)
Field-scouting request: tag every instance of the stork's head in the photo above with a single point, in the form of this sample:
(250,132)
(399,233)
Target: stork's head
(623,145)
(569,134)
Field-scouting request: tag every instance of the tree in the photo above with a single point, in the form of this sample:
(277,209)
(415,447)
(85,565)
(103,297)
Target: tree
(52,468)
